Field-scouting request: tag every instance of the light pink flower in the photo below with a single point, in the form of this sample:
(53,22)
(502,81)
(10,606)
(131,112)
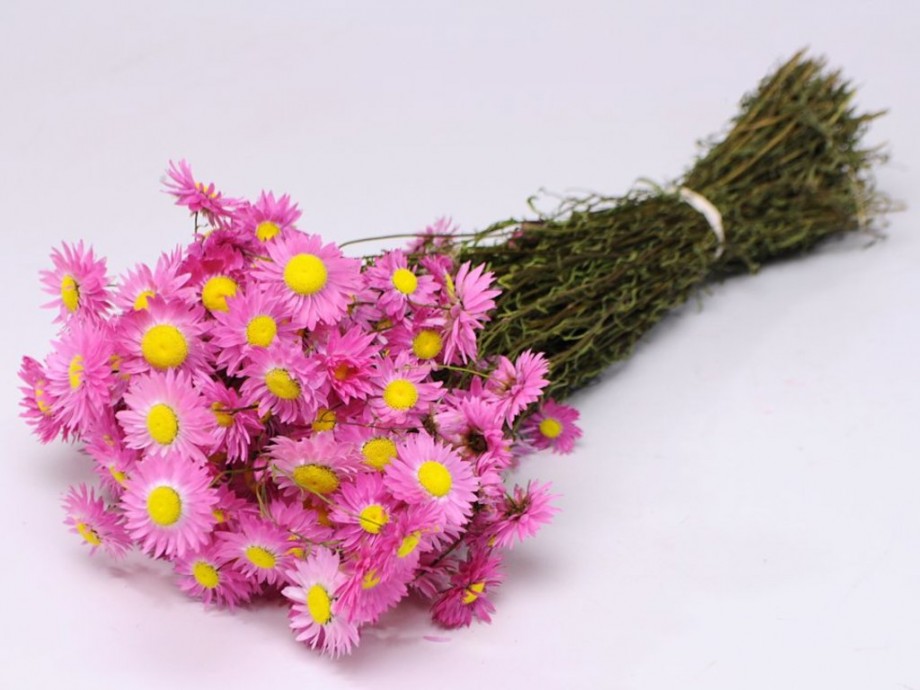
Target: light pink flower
(38,405)
(207,575)
(429,472)
(311,466)
(282,380)
(469,300)
(315,282)
(268,218)
(168,504)
(259,549)
(165,415)
(523,513)
(316,616)
(165,335)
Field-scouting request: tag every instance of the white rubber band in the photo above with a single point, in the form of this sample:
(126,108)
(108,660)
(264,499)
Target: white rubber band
(710,213)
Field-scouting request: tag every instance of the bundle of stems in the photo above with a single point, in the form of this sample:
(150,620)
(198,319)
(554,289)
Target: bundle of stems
(584,283)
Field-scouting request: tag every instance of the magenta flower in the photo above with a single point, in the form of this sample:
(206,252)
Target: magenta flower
(469,300)
(523,513)
(468,595)
(258,548)
(139,284)
(394,286)
(78,284)
(100,528)
(80,377)
(197,196)
(282,381)
(38,405)
(553,426)
(311,466)
(517,385)
(163,336)
(268,218)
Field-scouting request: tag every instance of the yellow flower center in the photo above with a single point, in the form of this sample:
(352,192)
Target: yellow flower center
(343,371)
(215,292)
(164,346)
(551,428)
(404,280)
(319,604)
(305,274)
(427,344)
(317,479)
(164,506)
(118,475)
(40,401)
(219,515)
(378,452)
(408,544)
(205,574)
(473,592)
(70,293)
(224,419)
(162,424)
(372,518)
(142,300)
(281,384)
(400,394)
(435,478)
(88,533)
(75,372)
(267,230)
(325,420)
(261,557)
(370,580)
(261,331)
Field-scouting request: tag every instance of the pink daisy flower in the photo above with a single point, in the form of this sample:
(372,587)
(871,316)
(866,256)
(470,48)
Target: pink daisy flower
(302,525)
(316,616)
(165,415)
(376,446)
(423,336)
(434,239)
(258,548)
(281,380)
(519,384)
(165,335)
(140,283)
(80,377)
(235,423)
(367,594)
(362,511)
(402,395)
(475,426)
(88,517)
(315,282)
(209,576)
(553,426)
(268,218)
(196,196)
(467,597)
(311,466)
(469,301)
(78,283)
(346,358)
(168,504)
(113,461)
(38,406)
(428,471)
(523,513)
(395,286)
(254,320)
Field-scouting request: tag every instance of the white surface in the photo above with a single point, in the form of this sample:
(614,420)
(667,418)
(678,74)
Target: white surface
(743,510)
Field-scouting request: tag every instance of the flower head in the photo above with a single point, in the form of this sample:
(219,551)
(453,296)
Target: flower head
(208,575)
(168,506)
(165,415)
(315,282)
(77,282)
(316,615)
(427,471)
(553,426)
(100,528)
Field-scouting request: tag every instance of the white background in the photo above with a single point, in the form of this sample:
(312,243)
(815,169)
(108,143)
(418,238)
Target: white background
(743,511)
